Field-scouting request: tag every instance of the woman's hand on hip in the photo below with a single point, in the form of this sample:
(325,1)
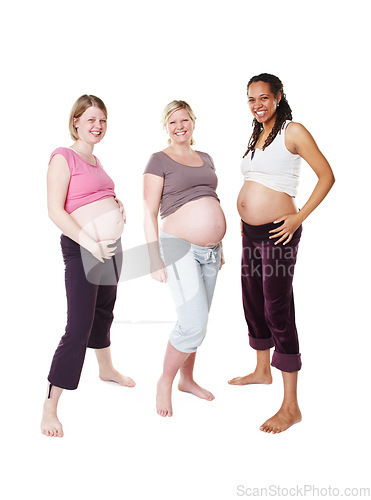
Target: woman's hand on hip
(286,231)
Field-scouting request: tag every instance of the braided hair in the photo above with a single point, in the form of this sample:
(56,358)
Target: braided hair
(283,110)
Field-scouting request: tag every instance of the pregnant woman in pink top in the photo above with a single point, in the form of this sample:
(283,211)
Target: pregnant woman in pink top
(83,204)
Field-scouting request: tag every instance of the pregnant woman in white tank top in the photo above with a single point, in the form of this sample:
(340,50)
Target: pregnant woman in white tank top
(271,224)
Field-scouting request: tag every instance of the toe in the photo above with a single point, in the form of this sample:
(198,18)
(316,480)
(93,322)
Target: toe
(233,380)
(130,382)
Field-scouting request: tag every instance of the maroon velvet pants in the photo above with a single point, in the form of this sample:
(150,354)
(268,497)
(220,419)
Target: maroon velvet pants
(267,272)
(91,294)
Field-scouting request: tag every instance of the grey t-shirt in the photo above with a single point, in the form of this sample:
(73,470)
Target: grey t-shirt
(182,183)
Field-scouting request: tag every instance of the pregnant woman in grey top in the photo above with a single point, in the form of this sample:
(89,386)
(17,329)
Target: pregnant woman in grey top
(180,183)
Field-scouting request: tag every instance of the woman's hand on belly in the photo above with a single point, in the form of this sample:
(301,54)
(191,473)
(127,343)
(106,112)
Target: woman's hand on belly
(287,229)
(122,209)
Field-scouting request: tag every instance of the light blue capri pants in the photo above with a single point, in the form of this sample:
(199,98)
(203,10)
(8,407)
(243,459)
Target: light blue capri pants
(191,274)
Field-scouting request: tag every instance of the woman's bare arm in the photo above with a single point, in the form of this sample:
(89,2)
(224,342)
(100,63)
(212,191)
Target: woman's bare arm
(58,179)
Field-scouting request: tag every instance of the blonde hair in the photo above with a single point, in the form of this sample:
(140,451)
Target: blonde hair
(81,105)
(174,106)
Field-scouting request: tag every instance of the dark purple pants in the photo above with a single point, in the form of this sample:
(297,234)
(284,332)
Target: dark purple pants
(91,294)
(267,272)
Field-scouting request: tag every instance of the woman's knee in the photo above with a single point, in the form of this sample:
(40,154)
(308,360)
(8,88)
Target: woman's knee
(187,337)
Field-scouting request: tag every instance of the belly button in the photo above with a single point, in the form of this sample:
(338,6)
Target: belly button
(242,204)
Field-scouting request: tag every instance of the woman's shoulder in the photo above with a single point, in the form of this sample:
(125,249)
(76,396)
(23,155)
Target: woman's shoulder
(62,150)
(294,128)
(155,164)
(63,155)
(207,158)
(296,135)
(202,153)
(296,131)
(66,152)
(157,156)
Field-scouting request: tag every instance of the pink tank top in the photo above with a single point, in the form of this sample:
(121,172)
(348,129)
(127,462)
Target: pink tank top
(88,183)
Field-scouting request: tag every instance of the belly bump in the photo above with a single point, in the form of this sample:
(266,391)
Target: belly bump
(101,220)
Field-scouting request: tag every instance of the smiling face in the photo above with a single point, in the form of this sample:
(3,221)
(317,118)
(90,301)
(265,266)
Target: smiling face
(180,127)
(263,103)
(91,125)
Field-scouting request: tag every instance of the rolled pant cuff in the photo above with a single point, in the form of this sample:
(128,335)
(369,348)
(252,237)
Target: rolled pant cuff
(261,344)
(286,362)
(99,347)
(65,387)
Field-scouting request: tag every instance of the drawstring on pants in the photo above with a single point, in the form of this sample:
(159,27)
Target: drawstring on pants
(211,256)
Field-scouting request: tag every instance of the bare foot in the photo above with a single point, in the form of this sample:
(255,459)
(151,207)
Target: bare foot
(282,420)
(193,388)
(50,425)
(115,376)
(252,378)
(163,398)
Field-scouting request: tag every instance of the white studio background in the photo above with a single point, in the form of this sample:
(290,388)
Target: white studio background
(138,56)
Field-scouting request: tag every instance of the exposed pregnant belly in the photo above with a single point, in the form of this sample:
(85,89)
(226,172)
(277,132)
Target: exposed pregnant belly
(101,219)
(258,204)
(201,222)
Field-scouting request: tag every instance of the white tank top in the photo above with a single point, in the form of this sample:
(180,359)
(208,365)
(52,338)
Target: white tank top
(275,167)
